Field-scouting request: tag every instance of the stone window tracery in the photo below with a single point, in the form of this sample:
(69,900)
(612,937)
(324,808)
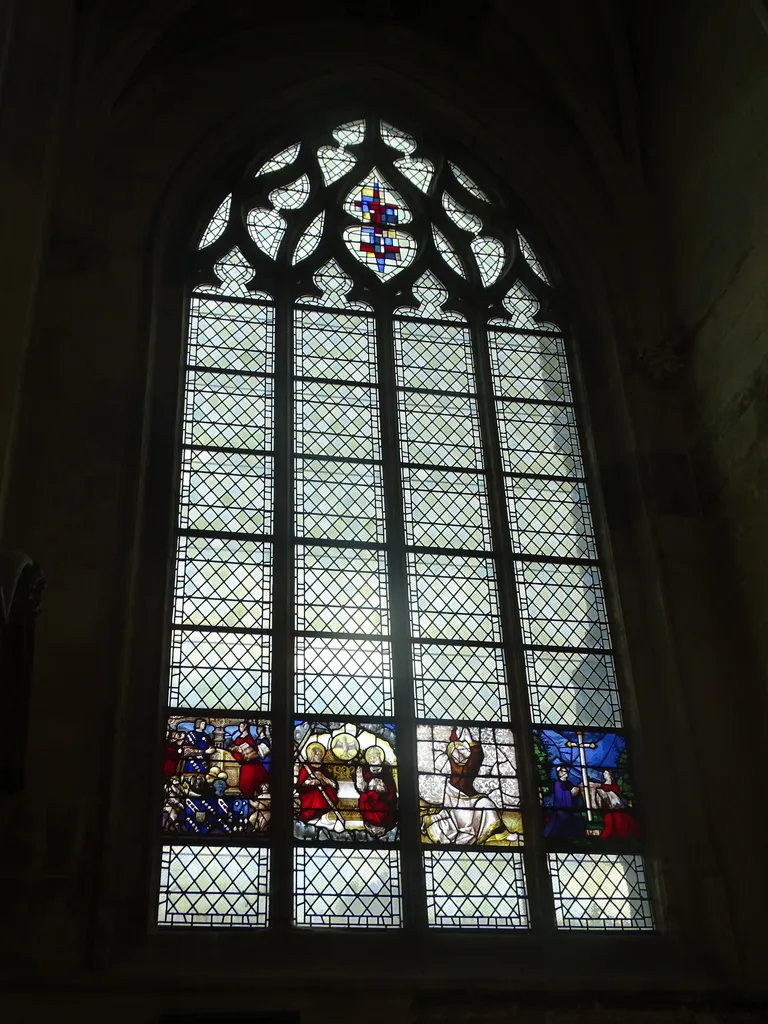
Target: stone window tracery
(392,688)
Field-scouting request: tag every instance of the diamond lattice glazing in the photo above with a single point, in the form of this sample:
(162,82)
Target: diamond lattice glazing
(225,492)
(446,509)
(223,411)
(339,501)
(460,682)
(561,605)
(337,420)
(604,892)
(347,888)
(223,583)
(231,336)
(453,598)
(214,886)
(572,689)
(550,517)
(475,889)
(339,675)
(341,590)
(219,670)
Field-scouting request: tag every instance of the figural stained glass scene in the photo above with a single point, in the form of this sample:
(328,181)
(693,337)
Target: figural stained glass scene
(345,781)
(586,787)
(468,786)
(363,643)
(216,774)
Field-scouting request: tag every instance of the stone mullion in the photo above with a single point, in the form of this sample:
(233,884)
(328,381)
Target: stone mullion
(414,899)
(537,879)
(283,612)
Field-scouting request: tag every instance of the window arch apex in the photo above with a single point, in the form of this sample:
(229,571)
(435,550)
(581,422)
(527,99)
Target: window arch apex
(386,205)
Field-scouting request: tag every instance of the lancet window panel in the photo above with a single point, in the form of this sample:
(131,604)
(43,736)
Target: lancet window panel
(228,492)
(446,509)
(530,367)
(228,411)
(437,357)
(227,335)
(341,590)
(223,583)
(440,430)
(337,345)
(220,669)
(475,889)
(343,675)
(337,420)
(453,598)
(339,500)
(387,607)
(466,682)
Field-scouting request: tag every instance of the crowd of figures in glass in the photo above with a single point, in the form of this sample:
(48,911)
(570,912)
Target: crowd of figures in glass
(216,773)
(432,438)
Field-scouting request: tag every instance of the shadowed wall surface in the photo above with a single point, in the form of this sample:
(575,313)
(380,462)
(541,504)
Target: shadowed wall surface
(633,142)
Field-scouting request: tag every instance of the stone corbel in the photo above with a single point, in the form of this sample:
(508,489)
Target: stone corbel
(20,586)
(662,360)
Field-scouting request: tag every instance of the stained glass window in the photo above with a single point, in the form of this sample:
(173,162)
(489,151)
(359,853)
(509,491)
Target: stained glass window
(392,688)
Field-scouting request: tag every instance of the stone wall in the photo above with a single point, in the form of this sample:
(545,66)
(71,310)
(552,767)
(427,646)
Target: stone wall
(702,70)
(160,104)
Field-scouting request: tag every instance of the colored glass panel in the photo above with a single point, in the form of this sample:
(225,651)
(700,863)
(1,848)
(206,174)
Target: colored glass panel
(586,786)
(378,235)
(216,774)
(345,781)
(468,789)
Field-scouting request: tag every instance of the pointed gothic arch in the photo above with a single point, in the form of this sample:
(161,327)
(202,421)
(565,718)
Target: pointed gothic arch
(385,548)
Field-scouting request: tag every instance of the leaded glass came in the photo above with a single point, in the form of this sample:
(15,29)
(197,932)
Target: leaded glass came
(388,614)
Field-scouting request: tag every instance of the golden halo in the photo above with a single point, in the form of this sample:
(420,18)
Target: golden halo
(312,747)
(455,745)
(382,755)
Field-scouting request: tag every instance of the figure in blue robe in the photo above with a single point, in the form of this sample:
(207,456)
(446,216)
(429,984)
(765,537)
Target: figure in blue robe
(197,739)
(566,820)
